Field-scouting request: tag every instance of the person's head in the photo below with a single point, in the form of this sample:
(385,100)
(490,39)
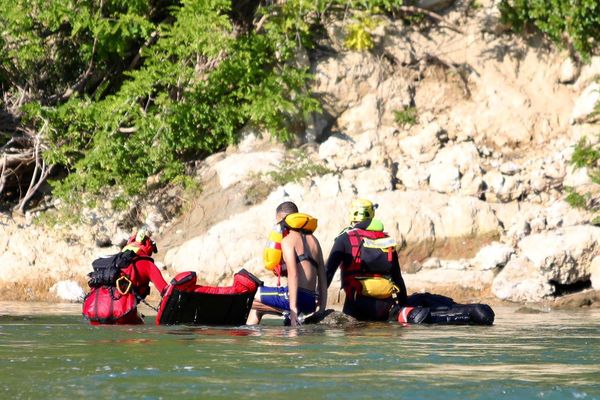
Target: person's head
(141,242)
(284,209)
(361,210)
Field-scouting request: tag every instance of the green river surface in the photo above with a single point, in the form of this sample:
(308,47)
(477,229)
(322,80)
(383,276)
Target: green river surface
(48,351)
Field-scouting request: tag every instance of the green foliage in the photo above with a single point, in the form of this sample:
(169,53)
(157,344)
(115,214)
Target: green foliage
(197,82)
(577,22)
(295,167)
(408,116)
(474,5)
(358,34)
(586,155)
(122,90)
(575,199)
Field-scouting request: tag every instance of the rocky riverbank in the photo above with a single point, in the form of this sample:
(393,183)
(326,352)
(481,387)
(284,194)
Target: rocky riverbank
(462,136)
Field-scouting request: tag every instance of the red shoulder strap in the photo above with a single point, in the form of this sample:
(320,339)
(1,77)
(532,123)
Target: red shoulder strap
(355,240)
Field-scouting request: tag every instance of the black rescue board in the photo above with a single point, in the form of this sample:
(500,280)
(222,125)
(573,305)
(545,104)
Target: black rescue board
(192,308)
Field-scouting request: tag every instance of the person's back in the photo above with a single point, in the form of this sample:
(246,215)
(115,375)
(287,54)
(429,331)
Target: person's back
(307,269)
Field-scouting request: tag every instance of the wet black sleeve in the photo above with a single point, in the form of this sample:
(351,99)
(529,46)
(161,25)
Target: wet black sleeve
(397,279)
(336,257)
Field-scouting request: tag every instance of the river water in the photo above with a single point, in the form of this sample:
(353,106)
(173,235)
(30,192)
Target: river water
(50,352)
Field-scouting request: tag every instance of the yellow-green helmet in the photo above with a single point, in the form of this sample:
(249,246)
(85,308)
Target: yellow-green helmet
(361,210)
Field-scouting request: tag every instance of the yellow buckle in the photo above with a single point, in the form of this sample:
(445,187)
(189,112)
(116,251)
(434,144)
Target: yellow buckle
(128,287)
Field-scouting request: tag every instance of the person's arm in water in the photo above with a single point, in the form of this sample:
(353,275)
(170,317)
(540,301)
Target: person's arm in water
(321,281)
(336,258)
(289,257)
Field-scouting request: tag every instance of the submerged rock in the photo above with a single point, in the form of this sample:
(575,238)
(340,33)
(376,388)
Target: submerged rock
(332,318)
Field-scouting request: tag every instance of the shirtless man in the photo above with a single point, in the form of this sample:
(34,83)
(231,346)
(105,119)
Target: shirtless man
(303,260)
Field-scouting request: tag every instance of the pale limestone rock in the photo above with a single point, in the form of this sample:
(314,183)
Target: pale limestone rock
(555,170)
(362,117)
(427,279)
(291,191)
(69,291)
(465,217)
(334,145)
(586,104)
(471,183)
(237,167)
(251,140)
(562,256)
(346,78)
(453,162)
(501,187)
(398,47)
(493,256)
(413,177)
(494,181)
(444,178)
(510,168)
(569,70)
(576,177)
(590,71)
(423,146)
(345,152)
(595,273)
(456,265)
(27,251)
(538,224)
(370,179)
(327,185)
(561,214)
(521,281)
(431,263)
(463,155)
(539,182)
(393,94)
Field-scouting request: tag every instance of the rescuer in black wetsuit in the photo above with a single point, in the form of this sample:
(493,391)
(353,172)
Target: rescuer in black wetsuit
(348,253)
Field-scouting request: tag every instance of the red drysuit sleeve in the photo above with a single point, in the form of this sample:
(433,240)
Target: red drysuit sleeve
(147,271)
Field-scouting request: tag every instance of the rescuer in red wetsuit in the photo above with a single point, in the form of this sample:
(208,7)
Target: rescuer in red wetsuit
(114,299)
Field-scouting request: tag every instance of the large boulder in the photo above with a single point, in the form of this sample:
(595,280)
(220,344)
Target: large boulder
(563,256)
(456,167)
(423,146)
(493,256)
(585,106)
(345,152)
(370,180)
(521,281)
(444,178)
